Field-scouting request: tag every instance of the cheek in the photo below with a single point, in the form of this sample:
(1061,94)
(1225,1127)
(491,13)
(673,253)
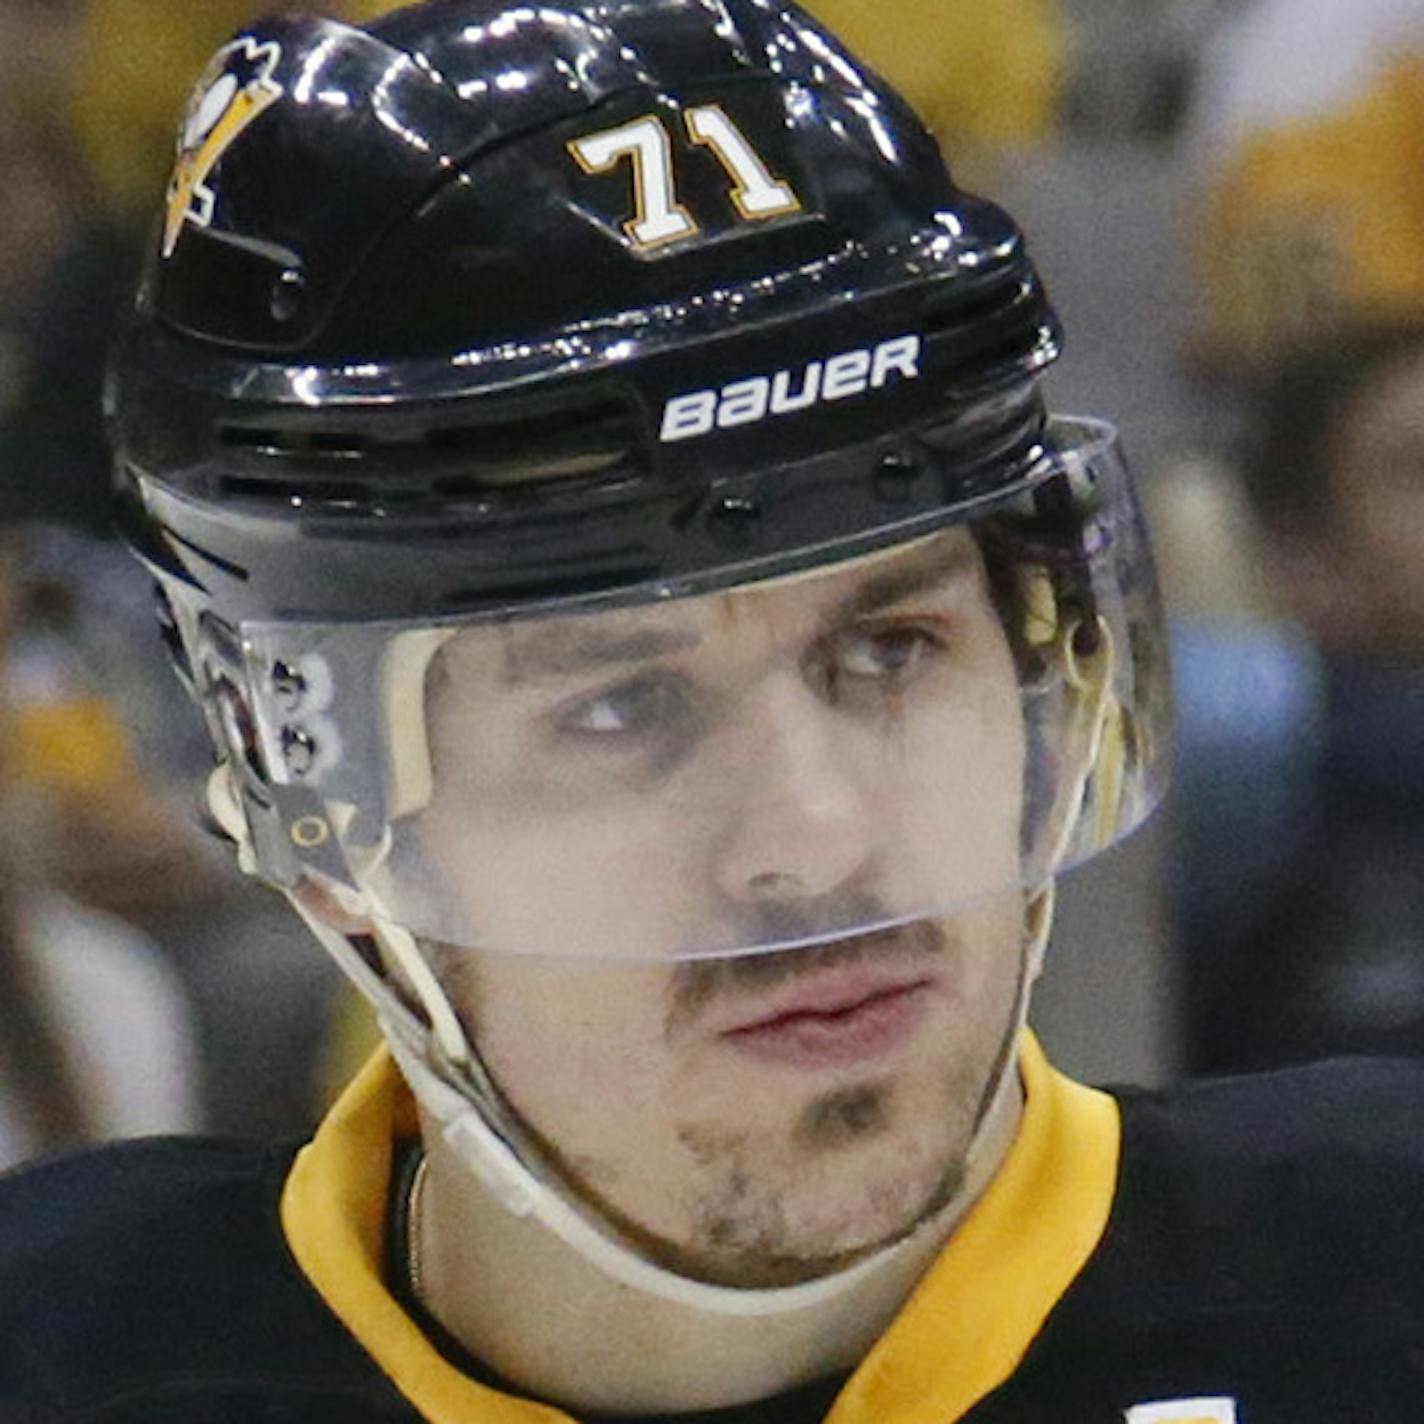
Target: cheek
(558,1038)
(958,798)
(608,882)
(995,932)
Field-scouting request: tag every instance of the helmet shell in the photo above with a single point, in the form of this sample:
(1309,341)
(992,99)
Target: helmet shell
(394,312)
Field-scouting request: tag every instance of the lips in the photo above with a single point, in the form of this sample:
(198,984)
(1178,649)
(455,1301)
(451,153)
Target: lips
(835,1021)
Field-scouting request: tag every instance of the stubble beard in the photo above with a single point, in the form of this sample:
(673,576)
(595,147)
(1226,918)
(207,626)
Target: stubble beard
(746,1225)
(743,1225)
(750,1224)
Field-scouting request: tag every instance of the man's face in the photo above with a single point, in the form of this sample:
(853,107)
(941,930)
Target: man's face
(805,759)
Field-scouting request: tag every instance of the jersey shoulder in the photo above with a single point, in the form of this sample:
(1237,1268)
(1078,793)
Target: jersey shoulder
(1313,1173)
(149,1280)
(1265,1248)
(1279,1213)
(1342,1130)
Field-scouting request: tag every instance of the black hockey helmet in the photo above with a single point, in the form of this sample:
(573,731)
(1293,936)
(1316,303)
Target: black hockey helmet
(492,312)
(541,300)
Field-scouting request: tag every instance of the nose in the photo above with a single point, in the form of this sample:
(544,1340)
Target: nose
(798,824)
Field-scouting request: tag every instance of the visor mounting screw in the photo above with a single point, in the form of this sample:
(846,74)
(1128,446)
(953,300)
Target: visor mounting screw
(288,685)
(894,477)
(734,517)
(310,832)
(299,750)
(287,293)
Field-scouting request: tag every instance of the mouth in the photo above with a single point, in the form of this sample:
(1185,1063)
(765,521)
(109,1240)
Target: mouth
(835,1020)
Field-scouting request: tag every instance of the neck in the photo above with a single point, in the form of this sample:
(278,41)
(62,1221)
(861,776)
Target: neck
(521,1301)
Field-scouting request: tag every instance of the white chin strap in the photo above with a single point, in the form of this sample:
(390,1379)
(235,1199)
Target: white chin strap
(450,1083)
(456,1091)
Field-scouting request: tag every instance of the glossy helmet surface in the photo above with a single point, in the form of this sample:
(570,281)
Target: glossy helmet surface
(488,312)
(404,349)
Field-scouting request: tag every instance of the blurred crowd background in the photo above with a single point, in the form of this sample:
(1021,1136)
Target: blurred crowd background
(1227,200)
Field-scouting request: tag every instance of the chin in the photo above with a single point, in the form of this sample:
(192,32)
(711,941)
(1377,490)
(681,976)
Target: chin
(761,1235)
(879,1208)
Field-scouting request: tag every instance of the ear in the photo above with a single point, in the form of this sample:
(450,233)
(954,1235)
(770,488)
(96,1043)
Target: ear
(332,906)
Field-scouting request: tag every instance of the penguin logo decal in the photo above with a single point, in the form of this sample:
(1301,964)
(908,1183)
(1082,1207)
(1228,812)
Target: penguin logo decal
(235,88)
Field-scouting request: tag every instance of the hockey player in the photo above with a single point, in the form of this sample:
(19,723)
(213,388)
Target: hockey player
(593,464)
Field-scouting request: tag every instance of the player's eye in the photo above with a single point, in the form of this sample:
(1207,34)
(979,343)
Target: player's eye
(892,654)
(880,660)
(647,706)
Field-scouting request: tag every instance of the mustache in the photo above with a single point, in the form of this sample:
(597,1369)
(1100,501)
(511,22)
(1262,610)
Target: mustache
(700,984)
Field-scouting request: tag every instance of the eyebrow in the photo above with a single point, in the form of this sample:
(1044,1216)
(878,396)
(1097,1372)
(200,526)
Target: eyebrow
(567,649)
(943,561)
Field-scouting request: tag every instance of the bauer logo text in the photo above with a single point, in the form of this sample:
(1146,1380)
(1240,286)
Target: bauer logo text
(755,398)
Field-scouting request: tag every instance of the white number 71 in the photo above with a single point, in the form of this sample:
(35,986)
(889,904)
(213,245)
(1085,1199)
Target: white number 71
(658,216)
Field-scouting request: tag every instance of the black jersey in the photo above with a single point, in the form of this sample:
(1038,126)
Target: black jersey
(1239,1252)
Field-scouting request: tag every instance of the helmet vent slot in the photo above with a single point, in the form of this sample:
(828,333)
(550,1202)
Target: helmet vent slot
(551,447)
(247,437)
(266,440)
(337,442)
(559,445)
(294,491)
(1000,297)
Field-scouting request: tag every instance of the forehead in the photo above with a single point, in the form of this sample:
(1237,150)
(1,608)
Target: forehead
(946,565)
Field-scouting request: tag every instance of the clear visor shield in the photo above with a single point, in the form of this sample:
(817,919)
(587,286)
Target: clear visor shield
(882,738)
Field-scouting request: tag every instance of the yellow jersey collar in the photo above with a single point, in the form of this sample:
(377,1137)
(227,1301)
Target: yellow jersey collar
(961,1334)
